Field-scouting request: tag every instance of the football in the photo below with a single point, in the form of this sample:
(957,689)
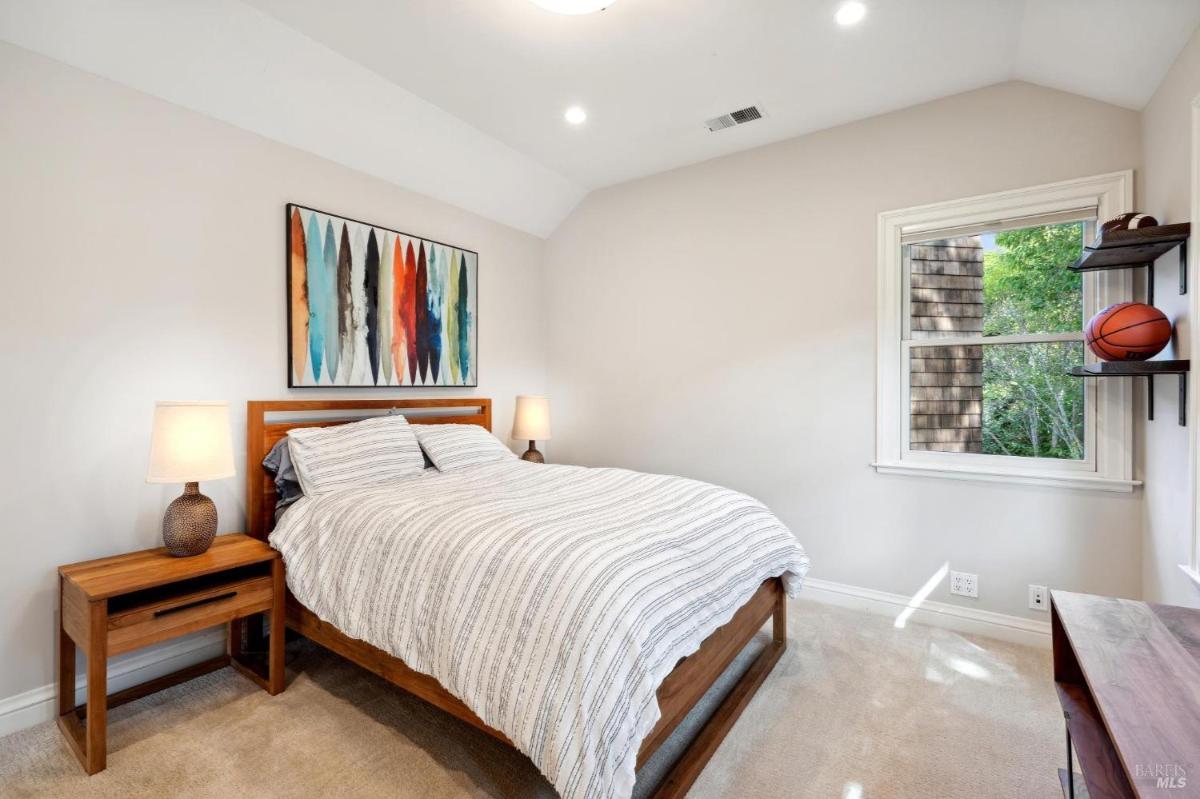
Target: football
(1129,222)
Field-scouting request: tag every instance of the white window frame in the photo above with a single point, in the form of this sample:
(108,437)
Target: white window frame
(1192,567)
(1108,465)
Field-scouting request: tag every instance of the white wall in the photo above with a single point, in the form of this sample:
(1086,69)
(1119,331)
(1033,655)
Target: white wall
(143,259)
(718,321)
(1165,192)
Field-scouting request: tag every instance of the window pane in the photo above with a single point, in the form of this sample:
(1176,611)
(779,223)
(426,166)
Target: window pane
(998,399)
(947,399)
(1031,406)
(1026,285)
(946,284)
(996,284)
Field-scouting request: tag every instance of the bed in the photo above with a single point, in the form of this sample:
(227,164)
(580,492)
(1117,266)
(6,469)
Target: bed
(676,694)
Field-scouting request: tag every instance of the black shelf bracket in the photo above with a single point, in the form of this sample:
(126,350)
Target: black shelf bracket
(1183,381)
(1183,281)
(1183,389)
(1182,267)
(1146,369)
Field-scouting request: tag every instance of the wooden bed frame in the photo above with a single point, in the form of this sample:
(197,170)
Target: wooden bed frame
(677,695)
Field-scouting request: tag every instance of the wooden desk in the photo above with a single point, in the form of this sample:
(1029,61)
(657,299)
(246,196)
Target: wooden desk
(122,603)
(1128,679)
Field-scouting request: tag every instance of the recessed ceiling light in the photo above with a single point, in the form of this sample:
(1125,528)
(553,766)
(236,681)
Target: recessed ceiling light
(574,6)
(575,115)
(850,13)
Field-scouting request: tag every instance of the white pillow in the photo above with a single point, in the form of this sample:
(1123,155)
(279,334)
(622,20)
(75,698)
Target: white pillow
(453,446)
(364,453)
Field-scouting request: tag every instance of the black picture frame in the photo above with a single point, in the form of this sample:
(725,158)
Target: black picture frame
(289,208)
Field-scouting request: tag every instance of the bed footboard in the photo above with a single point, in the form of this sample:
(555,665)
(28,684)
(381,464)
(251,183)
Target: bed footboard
(692,678)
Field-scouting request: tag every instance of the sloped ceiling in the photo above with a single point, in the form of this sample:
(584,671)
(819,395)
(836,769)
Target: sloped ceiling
(231,61)
(463,99)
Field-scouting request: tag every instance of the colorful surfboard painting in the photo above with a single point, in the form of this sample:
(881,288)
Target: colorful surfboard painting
(370,306)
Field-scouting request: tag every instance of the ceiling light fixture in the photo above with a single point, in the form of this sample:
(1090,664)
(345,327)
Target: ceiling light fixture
(850,13)
(574,6)
(575,115)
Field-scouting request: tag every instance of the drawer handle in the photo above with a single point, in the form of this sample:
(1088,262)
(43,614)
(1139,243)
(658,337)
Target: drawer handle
(197,603)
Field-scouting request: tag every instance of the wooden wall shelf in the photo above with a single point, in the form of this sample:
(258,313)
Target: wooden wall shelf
(1132,249)
(1146,369)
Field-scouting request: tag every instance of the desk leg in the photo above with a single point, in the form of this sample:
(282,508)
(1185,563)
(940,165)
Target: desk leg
(278,630)
(1070,768)
(97,687)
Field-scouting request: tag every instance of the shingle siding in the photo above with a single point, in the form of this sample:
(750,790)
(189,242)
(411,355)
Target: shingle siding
(946,299)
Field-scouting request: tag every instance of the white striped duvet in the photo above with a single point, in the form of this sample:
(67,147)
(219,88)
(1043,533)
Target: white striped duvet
(552,600)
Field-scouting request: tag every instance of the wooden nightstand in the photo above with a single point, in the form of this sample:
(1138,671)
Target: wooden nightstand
(118,604)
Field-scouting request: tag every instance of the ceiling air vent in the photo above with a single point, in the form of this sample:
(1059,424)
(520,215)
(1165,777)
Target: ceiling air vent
(739,117)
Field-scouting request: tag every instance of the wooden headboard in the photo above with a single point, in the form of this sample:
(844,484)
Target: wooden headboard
(261,435)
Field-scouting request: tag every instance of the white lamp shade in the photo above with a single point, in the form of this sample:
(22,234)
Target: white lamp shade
(531,421)
(191,442)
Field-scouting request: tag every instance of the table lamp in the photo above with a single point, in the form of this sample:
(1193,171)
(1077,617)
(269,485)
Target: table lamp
(191,442)
(531,422)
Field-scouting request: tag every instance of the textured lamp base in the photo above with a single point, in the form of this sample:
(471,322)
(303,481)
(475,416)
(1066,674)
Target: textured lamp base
(532,455)
(190,523)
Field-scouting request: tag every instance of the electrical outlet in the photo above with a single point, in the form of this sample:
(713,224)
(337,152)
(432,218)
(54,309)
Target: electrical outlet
(1039,597)
(964,584)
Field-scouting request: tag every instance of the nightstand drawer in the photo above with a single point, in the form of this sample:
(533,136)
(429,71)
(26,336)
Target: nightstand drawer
(162,615)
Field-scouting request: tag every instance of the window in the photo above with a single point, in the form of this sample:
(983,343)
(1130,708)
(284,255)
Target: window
(994,323)
(979,322)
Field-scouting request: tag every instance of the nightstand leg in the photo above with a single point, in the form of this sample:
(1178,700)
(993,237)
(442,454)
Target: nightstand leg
(236,639)
(253,625)
(278,630)
(66,668)
(97,687)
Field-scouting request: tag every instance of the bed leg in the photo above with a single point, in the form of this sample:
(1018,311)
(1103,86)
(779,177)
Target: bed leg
(693,760)
(779,627)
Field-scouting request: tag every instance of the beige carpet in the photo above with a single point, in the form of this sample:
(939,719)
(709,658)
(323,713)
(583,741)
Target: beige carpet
(856,708)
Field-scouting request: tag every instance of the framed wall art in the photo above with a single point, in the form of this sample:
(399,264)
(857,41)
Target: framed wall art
(371,306)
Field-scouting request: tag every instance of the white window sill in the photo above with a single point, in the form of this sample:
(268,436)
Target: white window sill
(1088,482)
(1192,574)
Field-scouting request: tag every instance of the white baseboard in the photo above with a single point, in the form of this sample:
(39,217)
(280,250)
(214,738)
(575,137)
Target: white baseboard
(935,614)
(39,704)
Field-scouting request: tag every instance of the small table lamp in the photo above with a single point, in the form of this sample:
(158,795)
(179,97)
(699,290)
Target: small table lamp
(191,442)
(531,422)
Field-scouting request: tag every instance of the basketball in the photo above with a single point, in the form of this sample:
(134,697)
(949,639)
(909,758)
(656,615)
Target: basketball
(1128,331)
(1128,222)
